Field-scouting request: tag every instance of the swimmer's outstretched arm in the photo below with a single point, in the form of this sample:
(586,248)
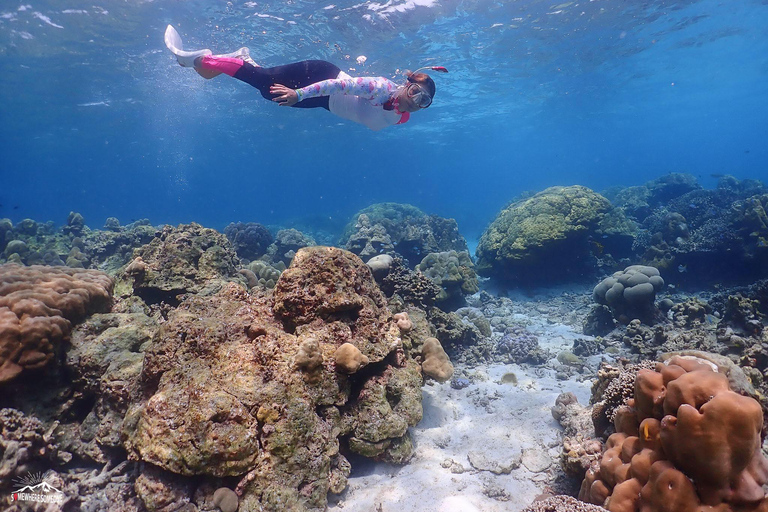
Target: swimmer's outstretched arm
(376,89)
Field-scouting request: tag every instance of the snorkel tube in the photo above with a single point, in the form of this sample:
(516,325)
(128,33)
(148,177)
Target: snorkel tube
(441,69)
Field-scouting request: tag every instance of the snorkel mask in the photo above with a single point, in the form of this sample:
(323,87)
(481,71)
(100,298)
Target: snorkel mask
(416,91)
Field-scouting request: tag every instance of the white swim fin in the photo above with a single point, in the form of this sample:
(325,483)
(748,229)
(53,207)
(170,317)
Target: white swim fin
(173,42)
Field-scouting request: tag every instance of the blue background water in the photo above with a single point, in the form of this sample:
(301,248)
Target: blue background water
(98,118)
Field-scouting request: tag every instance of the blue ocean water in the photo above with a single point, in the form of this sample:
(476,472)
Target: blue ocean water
(98,118)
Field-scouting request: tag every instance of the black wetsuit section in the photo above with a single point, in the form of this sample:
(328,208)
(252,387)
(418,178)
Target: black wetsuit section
(295,76)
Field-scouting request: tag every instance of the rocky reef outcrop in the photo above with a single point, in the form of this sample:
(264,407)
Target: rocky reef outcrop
(183,259)
(271,390)
(213,393)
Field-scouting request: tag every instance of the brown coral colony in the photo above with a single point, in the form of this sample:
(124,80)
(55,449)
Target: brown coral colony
(38,305)
(685,442)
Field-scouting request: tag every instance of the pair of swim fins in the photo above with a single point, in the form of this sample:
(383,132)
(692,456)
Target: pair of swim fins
(187,58)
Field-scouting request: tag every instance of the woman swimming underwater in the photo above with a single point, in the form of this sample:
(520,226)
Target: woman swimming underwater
(375,102)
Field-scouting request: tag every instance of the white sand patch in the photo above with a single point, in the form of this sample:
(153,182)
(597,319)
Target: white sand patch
(490,447)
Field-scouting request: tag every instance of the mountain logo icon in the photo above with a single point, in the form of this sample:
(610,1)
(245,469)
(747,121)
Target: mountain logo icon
(35,488)
(42,487)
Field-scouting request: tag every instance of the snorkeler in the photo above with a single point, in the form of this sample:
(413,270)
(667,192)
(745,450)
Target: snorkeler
(375,102)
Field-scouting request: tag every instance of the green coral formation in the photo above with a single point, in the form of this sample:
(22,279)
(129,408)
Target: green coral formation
(74,245)
(453,272)
(392,216)
(543,237)
(264,274)
(752,221)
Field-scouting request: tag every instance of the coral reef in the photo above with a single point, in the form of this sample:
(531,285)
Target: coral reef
(400,230)
(263,274)
(580,447)
(104,363)
(74,245)
(543,238)
(640,201)
(520,346)
(411,287)
(685,439)
(704,235)
(184,259)
(630,293)
(38,306)
(453,272)
(453,333)
(249,239)
(475,317)
(599,321)
(25,446)
(287,242)
(562,503)
(268,389)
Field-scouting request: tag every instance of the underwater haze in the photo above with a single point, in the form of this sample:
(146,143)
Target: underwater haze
(98,117)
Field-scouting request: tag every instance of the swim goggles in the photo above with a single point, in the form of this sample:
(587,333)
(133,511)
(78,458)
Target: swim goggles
(416,92)
(419,96)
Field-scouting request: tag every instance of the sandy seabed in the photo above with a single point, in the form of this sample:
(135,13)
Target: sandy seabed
(490,447)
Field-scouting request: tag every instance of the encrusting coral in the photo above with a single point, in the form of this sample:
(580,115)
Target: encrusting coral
(685,443)
(38,306)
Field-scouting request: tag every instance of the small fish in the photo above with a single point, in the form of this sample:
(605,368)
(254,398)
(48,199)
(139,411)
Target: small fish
(682,268)
(16,207)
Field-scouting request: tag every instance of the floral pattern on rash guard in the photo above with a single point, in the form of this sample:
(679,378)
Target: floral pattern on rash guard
(377,90)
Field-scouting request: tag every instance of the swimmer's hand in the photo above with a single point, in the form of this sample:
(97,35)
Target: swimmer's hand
(286,96)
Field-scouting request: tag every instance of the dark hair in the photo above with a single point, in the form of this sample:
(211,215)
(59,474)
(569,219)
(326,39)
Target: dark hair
(423,80)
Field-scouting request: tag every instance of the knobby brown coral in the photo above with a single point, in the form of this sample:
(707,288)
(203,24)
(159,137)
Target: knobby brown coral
(685,442)
(38,306)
